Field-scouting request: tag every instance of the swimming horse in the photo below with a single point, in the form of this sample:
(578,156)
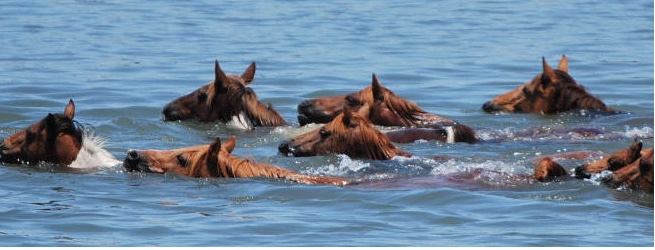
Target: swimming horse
(56,139)
(384,108)
(214,160)
(353,135)
(551,91)
(348,133)
(226,99)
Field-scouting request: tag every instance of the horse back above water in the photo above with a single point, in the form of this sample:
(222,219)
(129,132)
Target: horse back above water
(226,99)
(551,91)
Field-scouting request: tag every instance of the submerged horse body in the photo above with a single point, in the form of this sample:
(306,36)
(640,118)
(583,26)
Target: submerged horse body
(215,160)
(226,99)
(384,108)
(56,139)
(551,91)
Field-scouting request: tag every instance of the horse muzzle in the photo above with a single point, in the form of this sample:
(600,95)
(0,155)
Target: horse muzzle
(133,162)
(491,107)
(309,113)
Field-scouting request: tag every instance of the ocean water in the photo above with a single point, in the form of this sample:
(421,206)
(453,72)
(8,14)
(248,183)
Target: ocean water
(122,61)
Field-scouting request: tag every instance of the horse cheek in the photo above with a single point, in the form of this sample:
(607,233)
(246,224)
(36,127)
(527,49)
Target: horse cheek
(67,148)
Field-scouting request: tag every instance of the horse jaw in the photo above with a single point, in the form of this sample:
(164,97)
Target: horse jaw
(92,155)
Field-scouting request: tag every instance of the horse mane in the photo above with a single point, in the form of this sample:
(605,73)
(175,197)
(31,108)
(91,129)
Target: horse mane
(58,123)
(574,96)
(372,142)
(408,111)
(261,114)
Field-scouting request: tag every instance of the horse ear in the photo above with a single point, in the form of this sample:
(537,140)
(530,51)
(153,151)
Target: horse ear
(377,88)
(230,144)
(563,64)
(220,78)
(548,71)
(212,154)
(69,111)
(249,75)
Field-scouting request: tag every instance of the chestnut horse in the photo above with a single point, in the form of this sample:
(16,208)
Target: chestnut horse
(551,91)
(613,162)
(382,107)
(350,134)
(226,99)
(638,175)
(57,139)
(214,160)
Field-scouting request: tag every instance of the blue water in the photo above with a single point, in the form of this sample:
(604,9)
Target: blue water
(122,61)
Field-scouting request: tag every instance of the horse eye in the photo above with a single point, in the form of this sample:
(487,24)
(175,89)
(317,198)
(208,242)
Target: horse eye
(324,133)
(29,136)
(202,96)
(181,160)
(526,91)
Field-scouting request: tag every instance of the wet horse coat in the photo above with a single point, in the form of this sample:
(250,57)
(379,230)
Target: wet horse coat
(551,91)
(614,161)
(226,99)
(382,107)
(638,175)
(214,160)
(56,139)
(350,134)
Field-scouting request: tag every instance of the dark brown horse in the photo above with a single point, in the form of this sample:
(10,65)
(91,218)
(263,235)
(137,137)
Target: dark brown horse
(56,139)
(350,134)
(551,91)
(382,107)
(214,160)
(226,99)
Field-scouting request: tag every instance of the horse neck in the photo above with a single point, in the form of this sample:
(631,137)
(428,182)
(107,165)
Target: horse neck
(573,97)
(261,115)
(379,147)
(235,167)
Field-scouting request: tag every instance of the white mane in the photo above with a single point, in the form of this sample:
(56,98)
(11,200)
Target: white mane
(92,155)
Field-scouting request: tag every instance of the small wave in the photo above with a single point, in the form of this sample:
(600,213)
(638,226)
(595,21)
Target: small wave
(557,133)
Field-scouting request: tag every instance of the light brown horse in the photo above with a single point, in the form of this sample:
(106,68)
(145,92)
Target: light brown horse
(638,175)
(551,91)
(613,162)
(549,170)
(350,134)
(215,160)
(57,139)
(226,99)
(382,107)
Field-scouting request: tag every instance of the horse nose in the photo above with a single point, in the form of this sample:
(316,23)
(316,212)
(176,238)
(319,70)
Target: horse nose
(490,107)
(132,155)
(580,173)
(170,113)
(284,148)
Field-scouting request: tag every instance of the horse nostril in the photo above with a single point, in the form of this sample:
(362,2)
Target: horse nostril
(132,155)
(170,114)
(489,107)
(284,148)
(580,173)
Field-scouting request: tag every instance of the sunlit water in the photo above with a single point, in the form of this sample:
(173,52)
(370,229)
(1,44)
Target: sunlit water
(121,62)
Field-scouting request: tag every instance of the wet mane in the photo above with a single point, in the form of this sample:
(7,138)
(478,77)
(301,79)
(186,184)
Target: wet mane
(56,124)
(574,96)
(373,143)
(409,112)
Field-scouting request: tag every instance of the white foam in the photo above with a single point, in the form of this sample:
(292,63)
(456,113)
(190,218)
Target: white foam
(92,154)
